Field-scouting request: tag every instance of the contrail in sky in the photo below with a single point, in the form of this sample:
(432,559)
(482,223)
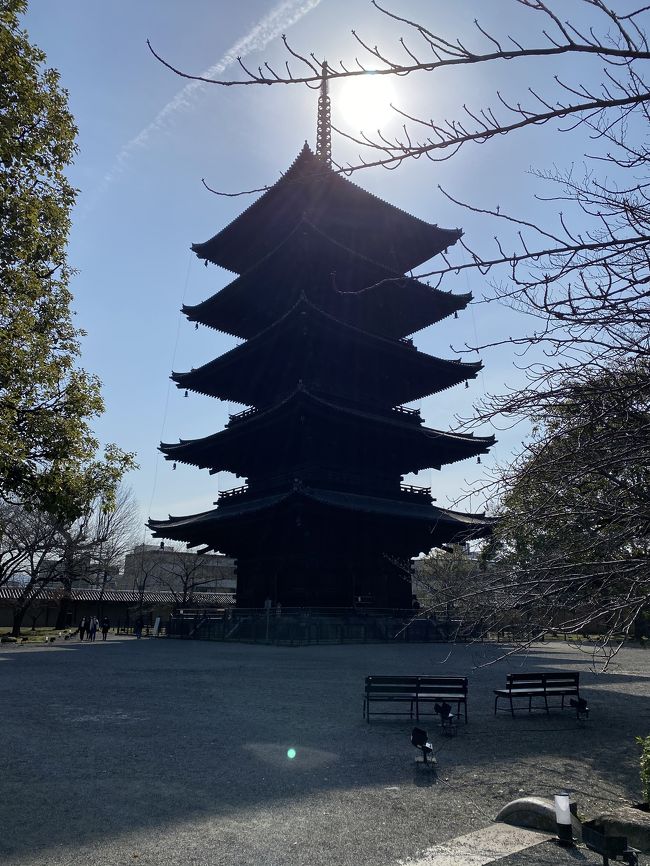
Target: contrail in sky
(283,15)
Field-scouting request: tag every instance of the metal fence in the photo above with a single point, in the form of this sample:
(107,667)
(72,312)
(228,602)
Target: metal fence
(300,626)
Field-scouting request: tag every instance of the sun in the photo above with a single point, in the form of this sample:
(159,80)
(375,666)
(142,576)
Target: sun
(364,102)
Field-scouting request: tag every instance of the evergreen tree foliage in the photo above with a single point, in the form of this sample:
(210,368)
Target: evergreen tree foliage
(48,454)
(573,542)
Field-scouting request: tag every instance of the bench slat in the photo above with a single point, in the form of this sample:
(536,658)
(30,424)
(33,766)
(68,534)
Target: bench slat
(544,684)
(414,689)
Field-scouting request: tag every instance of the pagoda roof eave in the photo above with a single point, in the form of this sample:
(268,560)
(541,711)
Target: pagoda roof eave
(396,508)
(196,452)
(239,329)
(184,528)
(309,185)
(200,377)
(235,309)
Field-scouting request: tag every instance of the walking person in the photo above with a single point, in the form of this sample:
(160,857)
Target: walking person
(92,628)
(137,629)
(82,628)
(106,624)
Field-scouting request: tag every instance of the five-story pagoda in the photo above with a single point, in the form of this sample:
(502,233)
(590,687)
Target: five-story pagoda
(325,310)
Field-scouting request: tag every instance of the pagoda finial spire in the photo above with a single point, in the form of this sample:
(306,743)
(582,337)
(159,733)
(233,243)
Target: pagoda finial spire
(324,123)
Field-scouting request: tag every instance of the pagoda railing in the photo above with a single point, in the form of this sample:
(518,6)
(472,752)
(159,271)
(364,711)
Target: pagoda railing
(240,416)
(369,406)
(234,491)
(317,476)
(415,491)
(404,410)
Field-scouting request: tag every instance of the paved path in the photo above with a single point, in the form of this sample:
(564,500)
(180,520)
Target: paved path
(480,847)
(165,752)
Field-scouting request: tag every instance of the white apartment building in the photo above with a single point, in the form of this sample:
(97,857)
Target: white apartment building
(163,567)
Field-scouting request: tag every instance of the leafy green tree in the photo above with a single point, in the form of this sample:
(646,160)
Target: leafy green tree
(572,547)
(47,450)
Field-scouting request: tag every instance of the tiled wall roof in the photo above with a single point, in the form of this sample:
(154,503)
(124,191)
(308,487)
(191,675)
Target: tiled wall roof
(207,599)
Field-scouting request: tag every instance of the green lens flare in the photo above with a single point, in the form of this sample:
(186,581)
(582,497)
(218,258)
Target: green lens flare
(291,754)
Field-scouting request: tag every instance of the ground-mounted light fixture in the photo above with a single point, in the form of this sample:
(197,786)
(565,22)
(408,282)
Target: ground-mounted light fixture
(563,820)
(420,740)
(448,721)
(581,707)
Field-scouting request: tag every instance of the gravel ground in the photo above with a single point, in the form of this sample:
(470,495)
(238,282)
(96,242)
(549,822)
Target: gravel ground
(167,752)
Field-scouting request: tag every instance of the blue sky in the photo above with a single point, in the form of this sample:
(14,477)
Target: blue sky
(141,202)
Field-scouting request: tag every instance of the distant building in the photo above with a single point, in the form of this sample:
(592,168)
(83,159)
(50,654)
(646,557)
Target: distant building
(182,572)
(82,572)
(78,572)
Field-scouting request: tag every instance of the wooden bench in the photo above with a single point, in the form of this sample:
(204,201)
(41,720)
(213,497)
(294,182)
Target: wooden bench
(413,690)
(558,684)
(451,690)
(391,690)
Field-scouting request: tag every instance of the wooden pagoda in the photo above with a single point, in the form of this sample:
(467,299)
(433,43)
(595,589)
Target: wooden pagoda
(325,309)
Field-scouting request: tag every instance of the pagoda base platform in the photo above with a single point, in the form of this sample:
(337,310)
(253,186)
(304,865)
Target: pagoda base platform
(303,626)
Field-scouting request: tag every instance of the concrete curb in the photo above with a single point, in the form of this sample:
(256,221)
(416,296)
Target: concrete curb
(536,813)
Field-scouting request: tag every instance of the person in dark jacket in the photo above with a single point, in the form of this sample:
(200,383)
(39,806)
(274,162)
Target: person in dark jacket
(106,624)
(82,628)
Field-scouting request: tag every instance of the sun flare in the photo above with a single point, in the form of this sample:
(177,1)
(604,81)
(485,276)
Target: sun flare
(364,102)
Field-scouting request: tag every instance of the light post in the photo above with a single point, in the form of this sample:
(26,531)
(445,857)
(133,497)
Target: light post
(563,820)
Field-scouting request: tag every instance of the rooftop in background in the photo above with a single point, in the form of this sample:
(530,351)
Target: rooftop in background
(54,594)
(154,567)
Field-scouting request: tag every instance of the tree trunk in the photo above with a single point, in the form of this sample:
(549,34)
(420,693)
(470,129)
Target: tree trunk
(64,604)
(19,613)
(61,619)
